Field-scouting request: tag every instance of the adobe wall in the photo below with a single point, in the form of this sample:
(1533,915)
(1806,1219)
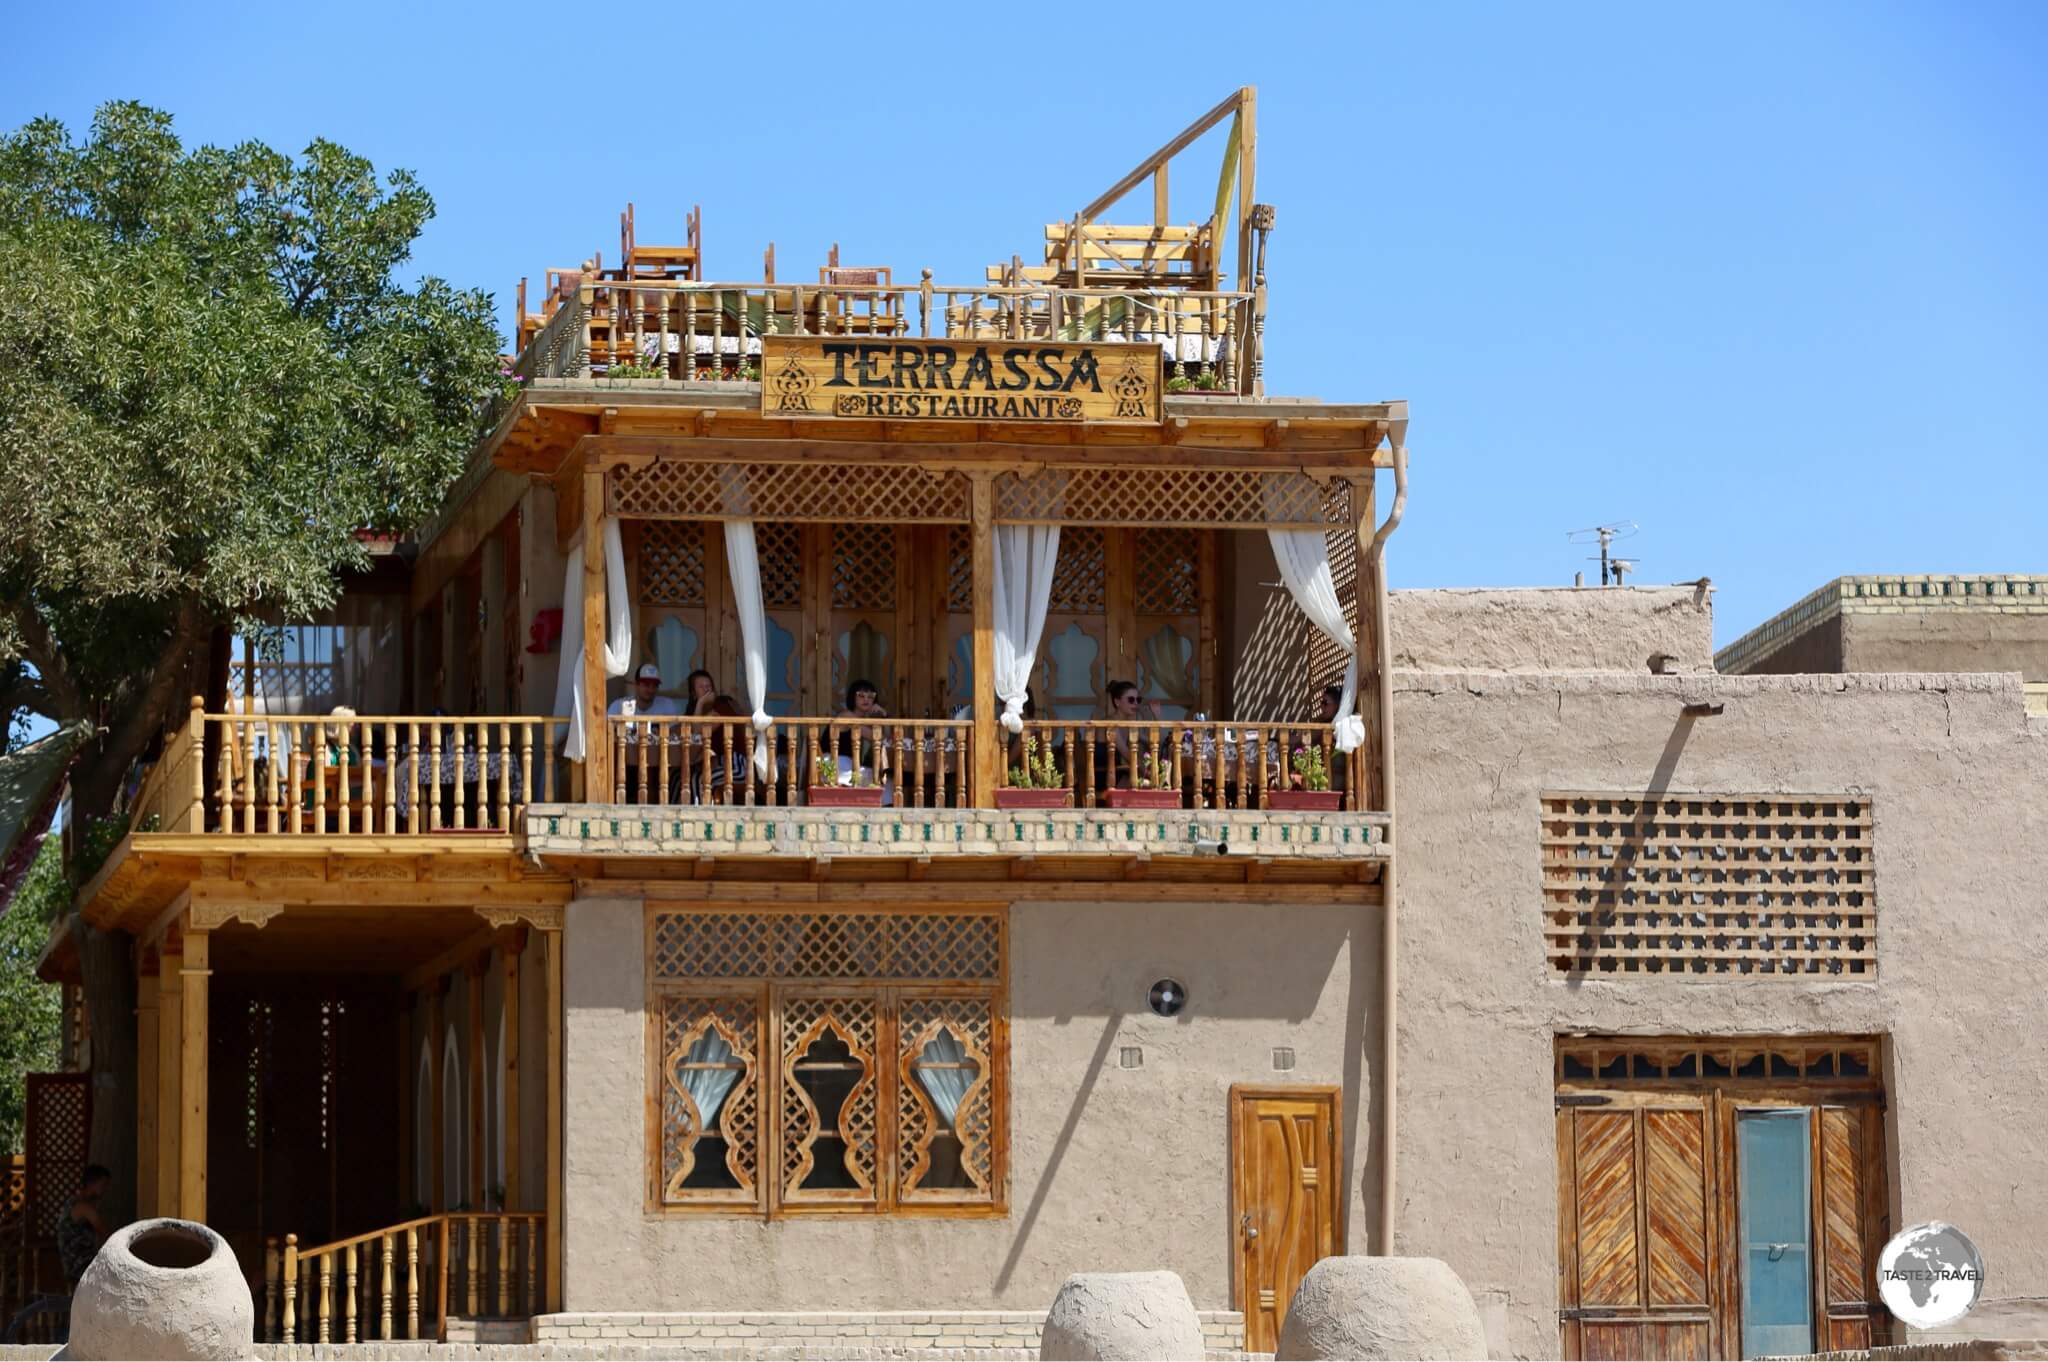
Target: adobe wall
(1983,639)
(1111,1168)
(1545,629)
(1956,776)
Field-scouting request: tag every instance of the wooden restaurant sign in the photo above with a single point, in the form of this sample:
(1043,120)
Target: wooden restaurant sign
(928,379)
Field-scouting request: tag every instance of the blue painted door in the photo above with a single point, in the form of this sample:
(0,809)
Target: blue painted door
(1774,1161)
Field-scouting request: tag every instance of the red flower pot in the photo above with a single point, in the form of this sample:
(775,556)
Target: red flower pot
(1305,801)
(1142,799)
(1013,798)
(846,796)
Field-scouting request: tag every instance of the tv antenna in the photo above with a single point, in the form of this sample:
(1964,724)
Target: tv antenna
(1612,568)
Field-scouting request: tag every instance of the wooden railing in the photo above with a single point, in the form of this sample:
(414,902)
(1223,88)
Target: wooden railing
(671,760)
(1205,764)
(30,1273)
(693,332)
(171,794)
(375,775)
(393,1282)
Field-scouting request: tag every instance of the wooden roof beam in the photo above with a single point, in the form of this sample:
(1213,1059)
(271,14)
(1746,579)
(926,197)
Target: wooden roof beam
(1235,101)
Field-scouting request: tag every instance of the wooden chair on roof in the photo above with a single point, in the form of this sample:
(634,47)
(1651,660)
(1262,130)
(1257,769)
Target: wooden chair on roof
(642,261)
(846,312)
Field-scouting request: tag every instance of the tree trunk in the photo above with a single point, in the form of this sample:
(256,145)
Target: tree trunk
(108,961)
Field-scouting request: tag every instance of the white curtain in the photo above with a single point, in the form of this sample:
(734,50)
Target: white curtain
(945,1086)
(1025,558)
(708,1087)
(1304,558)
(618,640)
(743,566)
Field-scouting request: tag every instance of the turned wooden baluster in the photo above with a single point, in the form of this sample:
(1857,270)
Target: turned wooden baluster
(340,735)
(660,736)
(469,1262)
(288,1325)
(412,1281)
(326,1306)
(348,1304)
(430,788)
(504,1267)
(525,765)
(384,1309)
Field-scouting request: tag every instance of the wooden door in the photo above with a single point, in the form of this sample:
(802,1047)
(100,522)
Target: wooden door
(1284,1198)
(1637,1200)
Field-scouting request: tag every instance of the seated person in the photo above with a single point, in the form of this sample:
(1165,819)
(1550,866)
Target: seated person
(701,690)
(729,752)
(81,1232)
(646,700)
(1124,706)
(857,747)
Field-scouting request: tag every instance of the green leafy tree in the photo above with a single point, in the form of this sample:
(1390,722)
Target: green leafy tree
(211,377)
(31,1011)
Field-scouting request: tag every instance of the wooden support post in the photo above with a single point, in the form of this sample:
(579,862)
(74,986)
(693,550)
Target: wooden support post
(514,948)
(477,968)
(408,1116)
(1247,180)
(192,1077)
(146,1059)
(1370,793)
(987,742)
(1160,210)
(170,1040)
(552,942)
(437,1030)
(1208,660)
(597,748)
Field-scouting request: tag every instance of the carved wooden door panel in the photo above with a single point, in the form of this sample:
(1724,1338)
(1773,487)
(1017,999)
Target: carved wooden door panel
(1636,1230)
(1284,1185)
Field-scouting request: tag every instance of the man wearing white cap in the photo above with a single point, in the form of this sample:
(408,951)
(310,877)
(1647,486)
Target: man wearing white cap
(645,701)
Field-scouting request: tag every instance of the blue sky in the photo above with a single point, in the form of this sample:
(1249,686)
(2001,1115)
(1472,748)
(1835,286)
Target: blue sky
(1769,280)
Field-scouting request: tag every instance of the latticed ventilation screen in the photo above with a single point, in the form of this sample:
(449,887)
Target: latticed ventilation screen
(877,946)
(781,549)
(879,493)
(57,1129)
(1638,1059)
(863,567)
(1709,885)
(960,569)
(1169,572)
(672,562)
(1221,497)
(1079,575)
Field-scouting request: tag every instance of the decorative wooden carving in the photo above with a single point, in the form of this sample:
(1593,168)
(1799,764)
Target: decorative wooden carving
(684,1022)
(545,917)
(210,916)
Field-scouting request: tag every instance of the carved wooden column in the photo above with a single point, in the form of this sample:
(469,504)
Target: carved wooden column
(170,1039)
(987,741)
(192,1019)
(479,966)
(1371,674)
(146,1060)
(512,947)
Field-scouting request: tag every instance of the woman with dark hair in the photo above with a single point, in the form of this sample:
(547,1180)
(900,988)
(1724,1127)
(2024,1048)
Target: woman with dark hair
(727,756)
(699,690)
(857,748)
(1124,702)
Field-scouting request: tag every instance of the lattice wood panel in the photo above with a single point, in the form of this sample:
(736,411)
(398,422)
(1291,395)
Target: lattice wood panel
(1195,497)
(960,569)
(970,1021)
(1079,574)
(863,567)
(58,1129)
(781,550)
(684,1023)
(1774,1059)
(867,946)
(1169,571)
(1326,660)
(850,1022)
(671,562)
(1771,885)
(680,489)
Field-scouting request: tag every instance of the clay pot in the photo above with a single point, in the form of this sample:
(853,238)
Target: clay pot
(1110,1315)
(163,1289)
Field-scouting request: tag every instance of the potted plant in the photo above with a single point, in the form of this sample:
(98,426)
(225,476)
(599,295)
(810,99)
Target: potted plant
(1308,788)
(1036,784)
(1152,786)
(828,793)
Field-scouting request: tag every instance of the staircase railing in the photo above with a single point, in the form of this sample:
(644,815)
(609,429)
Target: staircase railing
(392,1282)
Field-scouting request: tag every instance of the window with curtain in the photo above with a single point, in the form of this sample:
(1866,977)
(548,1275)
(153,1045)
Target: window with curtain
(875,1040)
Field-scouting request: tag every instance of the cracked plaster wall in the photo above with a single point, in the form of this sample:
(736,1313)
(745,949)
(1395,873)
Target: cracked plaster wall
(1957,777)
